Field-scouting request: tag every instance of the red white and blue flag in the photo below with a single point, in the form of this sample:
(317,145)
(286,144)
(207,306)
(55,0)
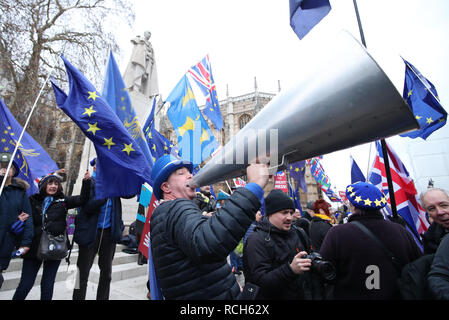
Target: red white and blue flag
(201,73)
(321,177)
(239,182)
(406,196)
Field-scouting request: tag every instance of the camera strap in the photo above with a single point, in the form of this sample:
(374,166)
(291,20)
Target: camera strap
(390,255)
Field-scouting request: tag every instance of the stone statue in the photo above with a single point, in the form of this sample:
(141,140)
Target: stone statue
(141,74)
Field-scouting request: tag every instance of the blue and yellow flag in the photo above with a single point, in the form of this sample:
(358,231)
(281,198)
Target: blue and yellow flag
(157,143)
(121,166)
(31,158)
(297,171)
(117,96)
(306,14)
(422,97)
(195,140)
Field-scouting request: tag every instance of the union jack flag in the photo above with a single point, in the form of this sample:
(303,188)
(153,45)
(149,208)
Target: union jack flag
(202,74)
(239,182)
(405,193)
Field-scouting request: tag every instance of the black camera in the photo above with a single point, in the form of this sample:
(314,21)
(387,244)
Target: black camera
(324,268)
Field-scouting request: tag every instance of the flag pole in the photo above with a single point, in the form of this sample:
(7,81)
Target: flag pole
(382,141)
(23,130)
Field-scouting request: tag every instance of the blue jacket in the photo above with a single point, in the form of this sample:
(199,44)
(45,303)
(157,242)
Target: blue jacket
(13,201)
(86,221)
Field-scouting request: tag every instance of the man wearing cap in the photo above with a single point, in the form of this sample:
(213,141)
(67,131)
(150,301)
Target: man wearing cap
(273,254)
(364,270)
(16,225)
(189,250)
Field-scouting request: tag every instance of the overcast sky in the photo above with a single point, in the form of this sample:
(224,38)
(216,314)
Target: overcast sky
(253,38)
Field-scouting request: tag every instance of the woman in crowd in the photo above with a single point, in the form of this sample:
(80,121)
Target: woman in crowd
(53,204)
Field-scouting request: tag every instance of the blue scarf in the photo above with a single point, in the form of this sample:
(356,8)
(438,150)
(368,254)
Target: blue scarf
(46,204)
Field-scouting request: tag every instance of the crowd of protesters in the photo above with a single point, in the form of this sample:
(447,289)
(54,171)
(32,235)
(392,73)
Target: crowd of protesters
(201,244)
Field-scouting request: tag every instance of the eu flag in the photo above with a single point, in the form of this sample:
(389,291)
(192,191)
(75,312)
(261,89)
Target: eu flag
(31,158)
(356,174)
(201,73)
(116,95)
(297,171)
(422,97)
(195,140)
(121,165)
(294,195)
(306,14)
(157,143)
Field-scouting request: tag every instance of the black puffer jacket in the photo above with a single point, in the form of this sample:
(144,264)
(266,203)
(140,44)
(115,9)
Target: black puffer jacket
(438,277)
(56,214)
(267,255)
(432,237)
(189,250)
(13,201)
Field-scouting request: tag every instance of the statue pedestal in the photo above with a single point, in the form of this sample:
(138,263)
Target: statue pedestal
(142,105)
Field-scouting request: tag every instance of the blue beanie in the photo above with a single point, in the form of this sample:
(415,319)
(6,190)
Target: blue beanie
(366,196)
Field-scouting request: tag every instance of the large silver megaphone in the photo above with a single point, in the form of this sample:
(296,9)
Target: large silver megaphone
(347,100)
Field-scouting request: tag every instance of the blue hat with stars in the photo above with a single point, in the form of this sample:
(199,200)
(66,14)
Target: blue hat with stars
(366,196)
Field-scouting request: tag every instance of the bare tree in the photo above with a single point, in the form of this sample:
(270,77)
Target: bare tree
(33,33)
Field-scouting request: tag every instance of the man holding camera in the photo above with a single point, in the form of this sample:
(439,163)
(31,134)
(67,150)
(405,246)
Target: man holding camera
(275,257)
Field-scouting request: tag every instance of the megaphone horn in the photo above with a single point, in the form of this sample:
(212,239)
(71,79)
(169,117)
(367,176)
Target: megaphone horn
(348,100)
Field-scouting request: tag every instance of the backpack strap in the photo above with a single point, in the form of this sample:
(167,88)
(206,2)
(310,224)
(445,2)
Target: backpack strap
(303,237)
(390,255)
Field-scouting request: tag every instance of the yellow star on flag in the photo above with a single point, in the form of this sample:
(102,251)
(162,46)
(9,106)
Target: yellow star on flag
(89,111)
(108,143)
(93,95)
(418,117)
(128,148)
(358,199)
(383,200)
(188,125)
(410,93)
(296,169)
(93,128)
(378,203)
(154,147)
(429,120)
(350,188)
(204,136)
(368,202)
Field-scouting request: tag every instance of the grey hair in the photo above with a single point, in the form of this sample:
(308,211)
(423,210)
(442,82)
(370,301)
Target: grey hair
(423,194)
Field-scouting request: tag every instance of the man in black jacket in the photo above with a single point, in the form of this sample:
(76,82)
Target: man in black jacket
(436,202)
(189,250)
(16,222)
(98,229)
(273,254)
